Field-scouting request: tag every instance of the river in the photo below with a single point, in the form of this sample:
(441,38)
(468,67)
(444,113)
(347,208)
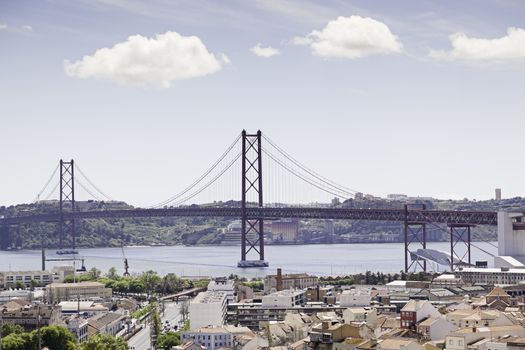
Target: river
(322,259)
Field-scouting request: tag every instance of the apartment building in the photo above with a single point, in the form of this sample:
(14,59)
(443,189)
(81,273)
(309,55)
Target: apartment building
(208,309)
(28,314)
(57,292)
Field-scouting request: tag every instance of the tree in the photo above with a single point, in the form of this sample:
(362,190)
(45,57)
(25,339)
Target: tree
(112,273)
(95,273)
(11,328)
(151,280)
(167,340)
(20,285)
(12,342)
(184,310)
(104,342)
(156,327)
(57,338)
(34,284)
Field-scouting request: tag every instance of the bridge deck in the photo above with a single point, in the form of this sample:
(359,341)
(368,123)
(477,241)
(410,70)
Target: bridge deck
(426,216)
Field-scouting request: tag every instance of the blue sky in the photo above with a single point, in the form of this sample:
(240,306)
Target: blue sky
(422,119)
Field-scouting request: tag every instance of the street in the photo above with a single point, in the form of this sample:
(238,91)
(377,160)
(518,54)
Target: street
(141,340)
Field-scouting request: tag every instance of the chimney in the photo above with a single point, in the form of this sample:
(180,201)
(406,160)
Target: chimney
(279,280)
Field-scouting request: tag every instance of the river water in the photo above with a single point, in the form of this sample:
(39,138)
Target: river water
(322,259)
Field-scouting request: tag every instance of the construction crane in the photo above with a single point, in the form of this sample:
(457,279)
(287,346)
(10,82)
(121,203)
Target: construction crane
(126,265)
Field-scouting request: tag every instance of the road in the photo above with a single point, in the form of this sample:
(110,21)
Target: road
(141,340)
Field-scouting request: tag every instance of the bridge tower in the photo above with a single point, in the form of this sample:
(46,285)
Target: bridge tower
(460,234)
(67,203)
(415,233)
(252,229)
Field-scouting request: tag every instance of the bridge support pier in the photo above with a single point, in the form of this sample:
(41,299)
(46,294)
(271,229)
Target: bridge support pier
(459,234)
(252,234)
(415,234)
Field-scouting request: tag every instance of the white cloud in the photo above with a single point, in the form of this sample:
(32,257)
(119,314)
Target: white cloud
(510,46)
(351,37)
(3,26)
(142,61)
(27,27)
(264,51)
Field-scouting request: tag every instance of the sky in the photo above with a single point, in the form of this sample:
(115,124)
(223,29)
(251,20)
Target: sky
(421,97)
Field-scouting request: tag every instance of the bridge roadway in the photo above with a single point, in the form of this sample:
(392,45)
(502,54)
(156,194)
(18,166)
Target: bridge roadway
(413,215)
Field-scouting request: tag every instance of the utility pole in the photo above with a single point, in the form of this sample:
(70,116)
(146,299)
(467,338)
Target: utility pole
(39,338)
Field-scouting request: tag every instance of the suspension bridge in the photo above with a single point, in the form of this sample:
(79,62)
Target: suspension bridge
(237,178)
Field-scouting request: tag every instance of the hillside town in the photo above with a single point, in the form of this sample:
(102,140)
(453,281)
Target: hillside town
(463,310)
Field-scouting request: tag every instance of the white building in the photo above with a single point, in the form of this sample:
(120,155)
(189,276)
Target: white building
(503,275)
(9,279)
(354,298)
(435,328)
(223,285)
(359,314)
(284,298)
(215,337)
(79,327)
(462,338)
(208,309)
(511,240)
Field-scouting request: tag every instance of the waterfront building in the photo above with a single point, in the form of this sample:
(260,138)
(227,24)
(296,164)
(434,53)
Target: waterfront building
(208,309)
(325,294)
(289,281)
(491,276)
(57,292)
(9,279)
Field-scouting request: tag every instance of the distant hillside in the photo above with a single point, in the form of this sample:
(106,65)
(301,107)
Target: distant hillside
(196,231)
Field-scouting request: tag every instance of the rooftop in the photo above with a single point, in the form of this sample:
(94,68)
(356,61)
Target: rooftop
(209,297)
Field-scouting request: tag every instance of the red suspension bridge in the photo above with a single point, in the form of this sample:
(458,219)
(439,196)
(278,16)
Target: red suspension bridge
(240,172)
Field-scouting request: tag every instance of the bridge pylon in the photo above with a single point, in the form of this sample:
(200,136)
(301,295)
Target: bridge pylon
(252,229)
(67,203)
(460,234)
(415,234)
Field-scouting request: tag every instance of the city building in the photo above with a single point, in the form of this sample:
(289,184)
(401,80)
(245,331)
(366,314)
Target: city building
(213,338)
(323,336)
(284,298)
(354,297)
(106,323)
(491,276)
(359,314)
(28,314)
(78,326)
(208,309)
(288,281)
(85,308)
(10,279)
(57,292)
(325,294)
(225,285)
(435,328)
(462,339)
(415,311)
